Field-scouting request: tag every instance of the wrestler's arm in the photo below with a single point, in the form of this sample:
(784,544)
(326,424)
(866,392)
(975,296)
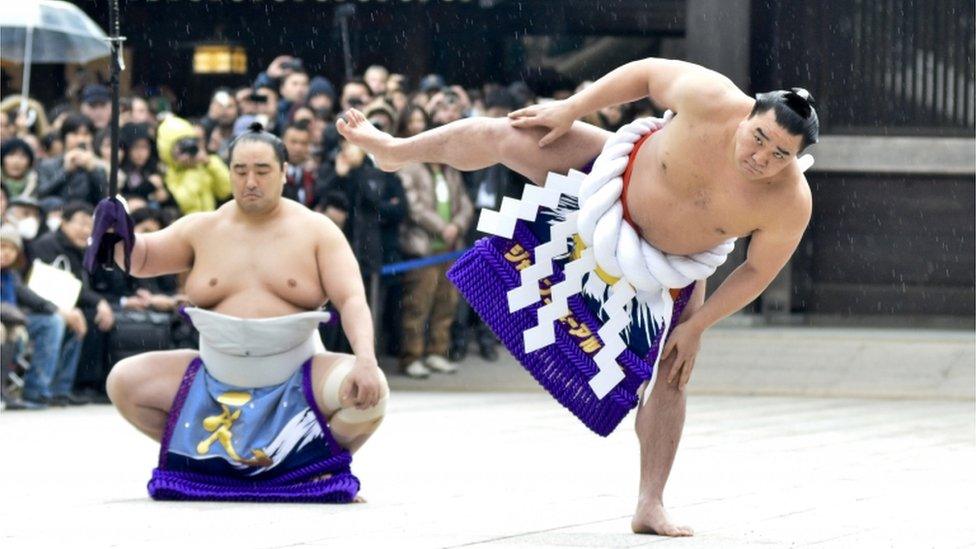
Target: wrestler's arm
(770,247)
(669,83)
(343,284)
(167,251)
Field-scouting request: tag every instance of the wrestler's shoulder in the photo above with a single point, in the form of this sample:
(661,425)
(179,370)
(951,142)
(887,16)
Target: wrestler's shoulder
(305,217)
(717,98)
(198,220)
(794,196)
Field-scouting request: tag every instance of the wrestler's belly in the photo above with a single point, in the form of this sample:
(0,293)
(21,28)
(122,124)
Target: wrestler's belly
(673,231)
(681,214)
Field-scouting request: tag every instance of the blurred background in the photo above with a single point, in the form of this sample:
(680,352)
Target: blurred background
(890,245)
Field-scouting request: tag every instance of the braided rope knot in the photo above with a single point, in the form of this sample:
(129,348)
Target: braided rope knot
(617,247)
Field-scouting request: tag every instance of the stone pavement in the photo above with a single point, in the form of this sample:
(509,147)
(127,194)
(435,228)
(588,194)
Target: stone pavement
(740,359)
(452,467)
(514,470)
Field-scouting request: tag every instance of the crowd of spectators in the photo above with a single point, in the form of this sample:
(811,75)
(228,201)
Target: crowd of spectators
(57,350)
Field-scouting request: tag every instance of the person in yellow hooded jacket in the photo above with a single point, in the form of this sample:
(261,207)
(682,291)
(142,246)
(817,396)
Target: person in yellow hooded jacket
(196,180)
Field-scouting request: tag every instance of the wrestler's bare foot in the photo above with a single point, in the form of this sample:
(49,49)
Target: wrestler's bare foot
(355,128)
(651,518)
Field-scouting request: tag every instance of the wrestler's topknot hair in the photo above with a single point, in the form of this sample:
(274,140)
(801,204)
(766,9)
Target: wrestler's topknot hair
(255,132)
(794,111)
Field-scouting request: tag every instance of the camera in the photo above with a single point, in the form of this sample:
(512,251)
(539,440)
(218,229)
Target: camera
(188,146)
(293,65)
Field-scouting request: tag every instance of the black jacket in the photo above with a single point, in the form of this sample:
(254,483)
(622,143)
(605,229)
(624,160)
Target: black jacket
(375,203)
(53,180)
(50,247)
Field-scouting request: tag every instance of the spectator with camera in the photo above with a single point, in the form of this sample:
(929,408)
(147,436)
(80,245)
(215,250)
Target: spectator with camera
(196,180)
(293,92)
(76,174)
(367,203)
(356,94)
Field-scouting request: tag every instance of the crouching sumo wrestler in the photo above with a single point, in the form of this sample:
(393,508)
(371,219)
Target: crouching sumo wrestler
(263,412)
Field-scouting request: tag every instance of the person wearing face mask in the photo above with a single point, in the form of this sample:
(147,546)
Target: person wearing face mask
(17,159)
(26,215)
(51,207)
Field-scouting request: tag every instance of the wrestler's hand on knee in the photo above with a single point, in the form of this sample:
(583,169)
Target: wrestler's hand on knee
(685,341)
(365,385)
(557,116)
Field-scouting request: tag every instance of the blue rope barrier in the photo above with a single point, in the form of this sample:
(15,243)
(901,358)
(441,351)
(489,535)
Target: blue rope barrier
(412,264)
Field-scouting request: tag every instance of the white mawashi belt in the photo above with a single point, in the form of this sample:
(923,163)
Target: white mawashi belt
(256,352)
(612,244)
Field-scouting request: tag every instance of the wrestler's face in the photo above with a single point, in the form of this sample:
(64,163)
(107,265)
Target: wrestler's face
(256,177)
(763,147)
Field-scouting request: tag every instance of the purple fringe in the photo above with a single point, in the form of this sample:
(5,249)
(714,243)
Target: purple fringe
(484,276)
(293,487)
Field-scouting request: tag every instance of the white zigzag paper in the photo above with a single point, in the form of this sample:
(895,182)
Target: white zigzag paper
(618,318)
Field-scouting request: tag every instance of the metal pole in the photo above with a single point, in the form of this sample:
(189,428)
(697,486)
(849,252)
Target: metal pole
(113,178)
(342,15)
(25,85)
(346,51)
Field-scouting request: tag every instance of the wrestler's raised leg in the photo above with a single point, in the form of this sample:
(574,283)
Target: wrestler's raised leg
(350,426)
(660,422)
(143,387)
(478,142)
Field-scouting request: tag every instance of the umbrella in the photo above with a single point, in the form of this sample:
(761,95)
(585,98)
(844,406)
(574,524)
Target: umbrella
(48,31)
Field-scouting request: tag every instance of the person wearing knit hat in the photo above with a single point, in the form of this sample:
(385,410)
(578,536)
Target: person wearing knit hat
(17,160)
(321,94)
(381,115)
